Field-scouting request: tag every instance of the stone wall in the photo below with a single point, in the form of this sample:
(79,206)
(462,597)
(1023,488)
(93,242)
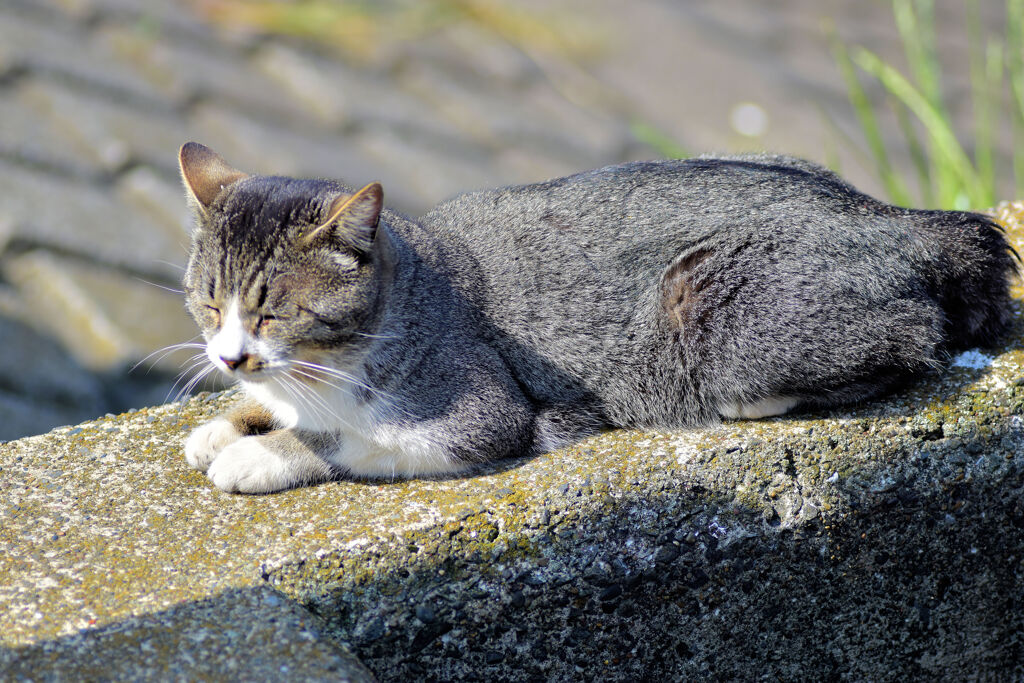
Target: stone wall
(881,543)
(96,96)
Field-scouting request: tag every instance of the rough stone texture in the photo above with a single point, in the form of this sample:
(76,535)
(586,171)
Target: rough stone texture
(880,543)
(240,634)
(97,95)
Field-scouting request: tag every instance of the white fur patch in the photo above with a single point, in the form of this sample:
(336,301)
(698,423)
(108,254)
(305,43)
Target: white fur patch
(391,452)
(766,407)
(369,443)
(231,340)
(973,359)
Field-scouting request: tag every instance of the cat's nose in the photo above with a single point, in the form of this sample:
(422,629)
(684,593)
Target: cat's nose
(233,363)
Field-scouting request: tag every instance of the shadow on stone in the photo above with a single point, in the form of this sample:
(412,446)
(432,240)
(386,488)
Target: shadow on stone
(251,634)
(917,577)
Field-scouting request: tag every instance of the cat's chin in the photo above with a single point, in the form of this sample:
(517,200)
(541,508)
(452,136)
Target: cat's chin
(262,376)
(246,380)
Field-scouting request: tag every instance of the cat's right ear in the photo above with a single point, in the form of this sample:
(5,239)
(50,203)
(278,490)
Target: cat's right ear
(204,174)
(352,220)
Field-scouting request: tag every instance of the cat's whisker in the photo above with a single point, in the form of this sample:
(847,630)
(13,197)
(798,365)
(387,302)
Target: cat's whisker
(311,399)
(159,286)
(330,372)
(191,384)
(312,394)
(370,335)
(297,396)
(346,377)
(392,405)
(194,363)
(319,380)
(167,350)
(392,401)
(332,412)
(182,377)
(176,266)
(294,389)
(201,372)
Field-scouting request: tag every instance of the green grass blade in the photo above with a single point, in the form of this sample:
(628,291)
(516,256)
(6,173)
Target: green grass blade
(987,118)
(980,63)
(986,69)
(1015,71)
(947,152)
(918,154)
(916,23)
(658,140)
(861,104)
(914,35)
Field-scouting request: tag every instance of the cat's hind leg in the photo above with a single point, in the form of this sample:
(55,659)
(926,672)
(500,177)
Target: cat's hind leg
(557,426)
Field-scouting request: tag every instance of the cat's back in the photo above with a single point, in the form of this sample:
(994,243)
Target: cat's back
(619,227)
(643,279)
(569,269)
(615,206)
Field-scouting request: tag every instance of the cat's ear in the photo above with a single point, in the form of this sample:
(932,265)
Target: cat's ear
(352,220)
(205,174)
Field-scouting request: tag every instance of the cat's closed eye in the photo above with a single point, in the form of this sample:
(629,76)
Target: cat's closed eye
(265,321)
(309,314)
(214,314)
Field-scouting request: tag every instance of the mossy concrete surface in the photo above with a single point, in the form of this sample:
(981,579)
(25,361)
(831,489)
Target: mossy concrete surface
(882,543)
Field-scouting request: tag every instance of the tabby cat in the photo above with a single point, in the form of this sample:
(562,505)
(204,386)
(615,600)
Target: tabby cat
(513,321)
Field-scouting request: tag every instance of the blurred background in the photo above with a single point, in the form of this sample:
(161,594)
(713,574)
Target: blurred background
(919,102)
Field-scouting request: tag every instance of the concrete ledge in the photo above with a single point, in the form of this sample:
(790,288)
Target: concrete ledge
(880,543)
(241,634)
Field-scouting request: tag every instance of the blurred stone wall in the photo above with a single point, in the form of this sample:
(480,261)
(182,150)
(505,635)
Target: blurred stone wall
(96,96)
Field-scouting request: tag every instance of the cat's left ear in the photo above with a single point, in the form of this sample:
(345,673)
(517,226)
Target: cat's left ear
(205,174)
(353,220)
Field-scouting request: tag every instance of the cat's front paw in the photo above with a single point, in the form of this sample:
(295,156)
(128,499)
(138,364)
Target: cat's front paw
(206,443)
(248,466)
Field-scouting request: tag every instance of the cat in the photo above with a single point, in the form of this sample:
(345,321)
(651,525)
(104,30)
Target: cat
(663,294)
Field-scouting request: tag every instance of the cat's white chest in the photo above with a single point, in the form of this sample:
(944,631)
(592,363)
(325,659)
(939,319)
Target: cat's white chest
(369,443)
(317,407)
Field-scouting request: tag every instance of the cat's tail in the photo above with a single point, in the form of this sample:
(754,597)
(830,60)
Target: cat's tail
(972,276)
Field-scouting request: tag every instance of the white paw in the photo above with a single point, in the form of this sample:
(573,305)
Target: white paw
(205,443)
(247,466)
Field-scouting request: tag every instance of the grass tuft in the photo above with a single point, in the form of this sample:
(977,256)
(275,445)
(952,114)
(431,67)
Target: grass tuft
(948,177)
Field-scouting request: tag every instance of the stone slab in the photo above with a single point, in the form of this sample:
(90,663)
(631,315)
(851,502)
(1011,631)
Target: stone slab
(67,311)
(256,147)
(186,71)
(111,134)
(40,207)
(55,45)
(28,133)
(534,118)
(36,363)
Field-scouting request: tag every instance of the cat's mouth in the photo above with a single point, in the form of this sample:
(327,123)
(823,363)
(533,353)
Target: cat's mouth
(245,369)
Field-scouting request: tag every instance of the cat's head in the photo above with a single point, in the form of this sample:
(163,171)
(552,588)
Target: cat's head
(284,274)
